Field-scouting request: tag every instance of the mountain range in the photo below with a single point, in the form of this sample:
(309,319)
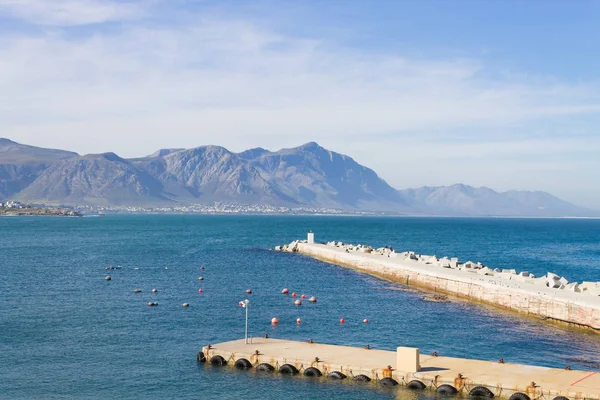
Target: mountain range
(304,176)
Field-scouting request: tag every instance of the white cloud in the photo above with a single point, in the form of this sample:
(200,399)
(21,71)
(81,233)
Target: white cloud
(203,80)
(69,12)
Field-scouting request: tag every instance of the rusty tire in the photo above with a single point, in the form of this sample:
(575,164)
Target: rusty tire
(288,369)
(481,392)
(312,372)
(361,378)
(336,375)
(416,385)
(519,396)
(218,361)
(264,367)
(388,382)
(446,390)
(242,363)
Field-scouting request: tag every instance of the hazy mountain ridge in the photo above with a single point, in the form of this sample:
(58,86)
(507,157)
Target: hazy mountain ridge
(304,176)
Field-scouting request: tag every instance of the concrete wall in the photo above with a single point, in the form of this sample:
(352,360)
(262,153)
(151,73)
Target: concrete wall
(535,302)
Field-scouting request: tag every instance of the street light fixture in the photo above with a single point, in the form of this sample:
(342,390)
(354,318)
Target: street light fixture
(245,305)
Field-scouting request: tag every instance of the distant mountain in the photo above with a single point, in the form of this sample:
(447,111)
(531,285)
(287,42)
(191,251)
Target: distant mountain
(304,176)
(95,179)
(20,165)
(469,201)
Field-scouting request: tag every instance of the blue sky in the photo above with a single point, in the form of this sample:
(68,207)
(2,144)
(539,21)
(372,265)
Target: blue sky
(504,94)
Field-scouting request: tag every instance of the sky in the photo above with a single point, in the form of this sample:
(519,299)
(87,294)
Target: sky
(503,94)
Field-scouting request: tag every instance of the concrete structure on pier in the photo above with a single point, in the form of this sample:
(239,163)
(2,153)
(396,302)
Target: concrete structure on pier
(501,379)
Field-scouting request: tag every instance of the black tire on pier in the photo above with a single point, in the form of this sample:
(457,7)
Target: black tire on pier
(201,357)
(481,392)
(288,369)
(336,375)
(519,396)
(361,378)
(416,385)
(264,367)
(388,382)
(560,398)
(446,390)
(312,372)
(242,363)
(218,361)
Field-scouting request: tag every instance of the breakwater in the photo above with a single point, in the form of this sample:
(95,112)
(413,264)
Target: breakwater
(549,297)
(404,367)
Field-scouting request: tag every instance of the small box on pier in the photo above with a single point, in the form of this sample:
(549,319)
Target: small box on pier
(407,359)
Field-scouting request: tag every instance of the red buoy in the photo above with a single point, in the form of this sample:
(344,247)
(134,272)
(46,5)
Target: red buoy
(199,290)
(274,321)
(298,321)
(285,291)
(303,296)
(342,320)
(366,321)
(294,294)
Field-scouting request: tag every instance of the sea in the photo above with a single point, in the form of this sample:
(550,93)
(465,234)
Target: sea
(67,333)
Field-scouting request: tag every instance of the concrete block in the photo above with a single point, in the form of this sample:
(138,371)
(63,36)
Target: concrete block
(407,359)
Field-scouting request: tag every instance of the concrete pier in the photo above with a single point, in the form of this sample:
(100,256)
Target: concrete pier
(505,289)
(503,380)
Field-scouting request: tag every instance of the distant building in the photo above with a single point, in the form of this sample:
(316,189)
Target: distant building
(13,204)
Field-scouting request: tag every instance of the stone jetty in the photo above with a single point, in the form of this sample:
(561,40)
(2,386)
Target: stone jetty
(550,297)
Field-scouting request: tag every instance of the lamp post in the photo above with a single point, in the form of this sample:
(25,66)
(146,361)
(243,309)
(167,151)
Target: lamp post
(245,305)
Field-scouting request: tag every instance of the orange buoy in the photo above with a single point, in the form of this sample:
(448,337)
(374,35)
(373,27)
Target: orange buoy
(298,302)
(274,321)
(199,290)
(200,278)
(298,321)
(342,320)
(313,299)
(303,296)
(366,321)
(285,291)
(248,291)
(293,294)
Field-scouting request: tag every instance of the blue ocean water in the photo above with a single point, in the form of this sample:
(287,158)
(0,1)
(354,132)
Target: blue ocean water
(65,332)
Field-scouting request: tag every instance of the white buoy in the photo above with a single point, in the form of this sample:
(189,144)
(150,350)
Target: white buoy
(108,278)
(137,290)
(298,302)
(185,304)
(154,290)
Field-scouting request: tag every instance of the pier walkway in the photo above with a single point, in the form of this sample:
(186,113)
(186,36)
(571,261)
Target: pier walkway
(503,380)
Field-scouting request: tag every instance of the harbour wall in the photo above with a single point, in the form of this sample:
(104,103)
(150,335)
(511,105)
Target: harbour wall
(531,298)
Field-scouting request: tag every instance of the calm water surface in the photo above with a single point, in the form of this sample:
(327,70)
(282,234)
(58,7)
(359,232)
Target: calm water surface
(65,332)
